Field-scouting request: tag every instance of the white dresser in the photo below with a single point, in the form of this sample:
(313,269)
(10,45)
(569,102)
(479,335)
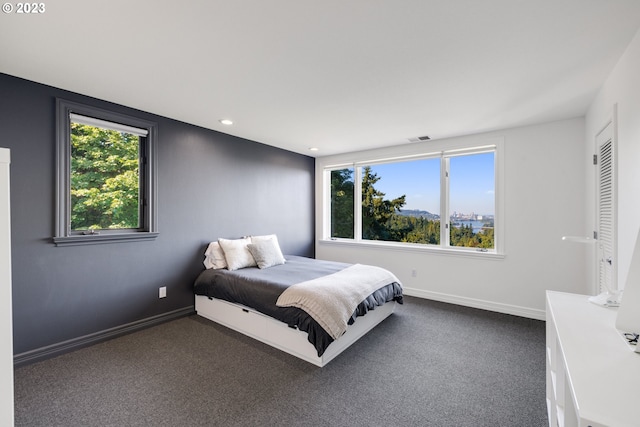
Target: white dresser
(6,319)
(593,375)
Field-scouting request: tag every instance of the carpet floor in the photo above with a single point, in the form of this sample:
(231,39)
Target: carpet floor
(428,364)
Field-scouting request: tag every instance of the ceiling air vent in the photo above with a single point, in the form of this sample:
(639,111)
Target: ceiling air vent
(419,138)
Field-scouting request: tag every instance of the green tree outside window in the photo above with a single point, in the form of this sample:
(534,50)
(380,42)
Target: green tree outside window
(105,180)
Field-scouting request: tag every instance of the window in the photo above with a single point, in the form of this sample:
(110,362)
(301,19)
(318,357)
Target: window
(472,200)
(106,176)
(401,201)
(342,198)
(440,200)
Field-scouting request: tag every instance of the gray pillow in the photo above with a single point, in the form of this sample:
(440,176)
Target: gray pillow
(266,253)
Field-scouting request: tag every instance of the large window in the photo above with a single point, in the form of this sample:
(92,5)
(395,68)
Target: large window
(445,200)
(106,179)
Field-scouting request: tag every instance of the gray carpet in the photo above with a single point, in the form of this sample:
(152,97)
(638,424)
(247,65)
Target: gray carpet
(429,364)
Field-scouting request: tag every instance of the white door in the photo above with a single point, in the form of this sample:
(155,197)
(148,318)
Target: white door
(605,161)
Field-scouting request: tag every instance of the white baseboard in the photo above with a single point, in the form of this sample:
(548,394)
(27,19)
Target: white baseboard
(531,313)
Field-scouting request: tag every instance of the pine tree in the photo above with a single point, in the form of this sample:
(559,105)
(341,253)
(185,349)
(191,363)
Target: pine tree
(376,211)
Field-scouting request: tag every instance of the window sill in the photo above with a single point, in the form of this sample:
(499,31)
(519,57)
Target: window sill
(415,248)
(97,239)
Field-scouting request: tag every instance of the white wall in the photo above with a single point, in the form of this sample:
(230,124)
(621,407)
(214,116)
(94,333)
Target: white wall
(543,200)
(622,88)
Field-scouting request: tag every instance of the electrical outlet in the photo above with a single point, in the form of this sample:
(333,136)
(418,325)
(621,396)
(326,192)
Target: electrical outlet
(162,292)
(414,273)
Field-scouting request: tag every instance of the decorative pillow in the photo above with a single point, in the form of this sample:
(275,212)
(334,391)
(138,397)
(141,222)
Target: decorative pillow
(274,238)
(236,253)
(266,253)
(214,257)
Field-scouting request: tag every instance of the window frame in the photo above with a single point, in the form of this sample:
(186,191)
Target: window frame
(444,152)
(148,229)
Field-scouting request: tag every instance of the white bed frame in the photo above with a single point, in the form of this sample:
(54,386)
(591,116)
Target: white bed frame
(279,335)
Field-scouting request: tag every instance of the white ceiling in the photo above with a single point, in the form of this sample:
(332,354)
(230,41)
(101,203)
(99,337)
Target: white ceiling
(340,75)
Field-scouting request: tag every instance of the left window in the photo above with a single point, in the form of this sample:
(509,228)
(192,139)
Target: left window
(106,181)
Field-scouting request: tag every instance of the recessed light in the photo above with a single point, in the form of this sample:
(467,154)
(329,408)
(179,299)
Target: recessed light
(313,149)
(226,122)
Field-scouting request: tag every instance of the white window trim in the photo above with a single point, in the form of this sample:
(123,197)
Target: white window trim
(412,247)
(495,145)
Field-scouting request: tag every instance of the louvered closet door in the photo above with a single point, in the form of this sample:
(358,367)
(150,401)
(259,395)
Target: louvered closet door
(606,209)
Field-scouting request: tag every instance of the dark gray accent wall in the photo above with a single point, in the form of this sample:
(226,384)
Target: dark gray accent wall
(210,185)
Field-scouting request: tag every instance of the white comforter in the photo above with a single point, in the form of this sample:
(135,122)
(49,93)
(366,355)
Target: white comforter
(332,299)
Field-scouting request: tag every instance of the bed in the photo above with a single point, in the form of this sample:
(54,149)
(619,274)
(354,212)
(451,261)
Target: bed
(269,303)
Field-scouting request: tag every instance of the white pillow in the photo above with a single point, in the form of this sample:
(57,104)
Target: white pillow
(278,252)
(236,253)
(266,253)
(214,257)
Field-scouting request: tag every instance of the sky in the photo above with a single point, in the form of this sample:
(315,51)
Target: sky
(472,183)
